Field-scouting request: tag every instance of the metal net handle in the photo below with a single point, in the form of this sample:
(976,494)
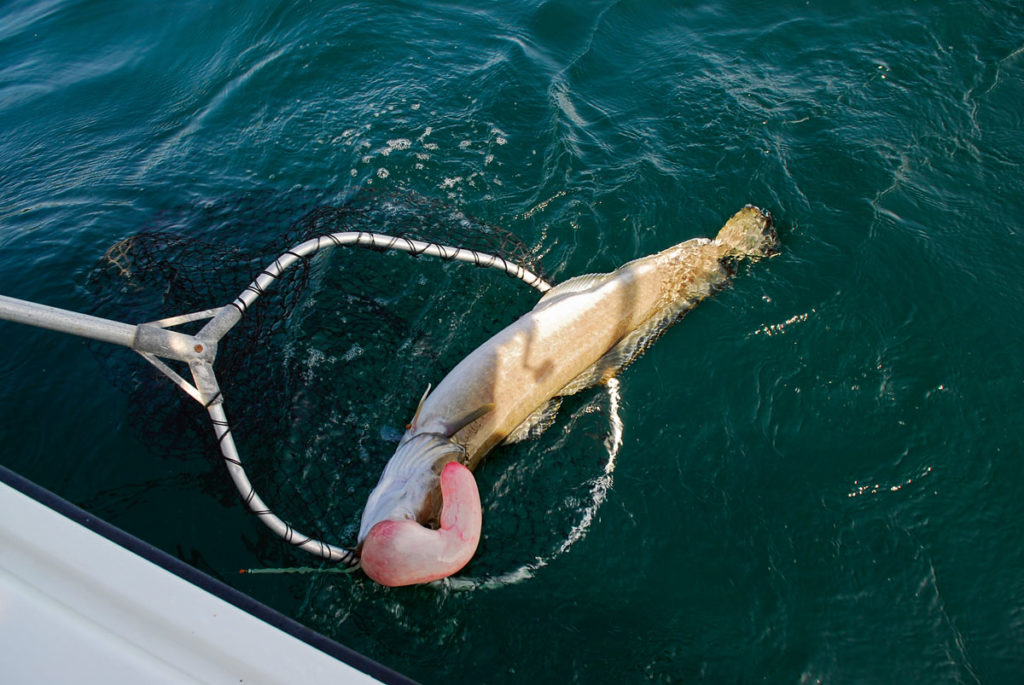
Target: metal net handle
(226,317)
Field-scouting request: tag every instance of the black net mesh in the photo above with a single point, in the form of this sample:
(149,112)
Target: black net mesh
(324,369)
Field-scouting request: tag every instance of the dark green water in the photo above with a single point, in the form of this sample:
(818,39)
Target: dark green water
(820,469)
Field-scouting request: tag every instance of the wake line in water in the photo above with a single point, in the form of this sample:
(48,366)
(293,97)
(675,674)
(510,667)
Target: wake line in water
(204,111)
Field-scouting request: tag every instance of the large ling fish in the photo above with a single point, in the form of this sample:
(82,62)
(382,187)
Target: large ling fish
(422,521)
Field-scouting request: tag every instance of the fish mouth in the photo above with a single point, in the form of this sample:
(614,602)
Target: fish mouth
(410,481)
(404,552)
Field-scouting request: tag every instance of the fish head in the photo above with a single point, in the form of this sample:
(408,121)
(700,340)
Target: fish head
(422,521)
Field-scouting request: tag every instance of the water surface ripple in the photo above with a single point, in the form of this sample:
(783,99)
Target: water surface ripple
(817,474)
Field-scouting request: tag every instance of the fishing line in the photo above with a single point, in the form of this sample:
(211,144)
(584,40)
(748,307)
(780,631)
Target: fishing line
(298,570)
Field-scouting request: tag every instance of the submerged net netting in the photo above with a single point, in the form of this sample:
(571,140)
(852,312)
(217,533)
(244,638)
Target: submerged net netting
(323,371)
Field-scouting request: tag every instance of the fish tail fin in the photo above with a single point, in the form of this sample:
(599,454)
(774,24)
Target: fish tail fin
(749,233)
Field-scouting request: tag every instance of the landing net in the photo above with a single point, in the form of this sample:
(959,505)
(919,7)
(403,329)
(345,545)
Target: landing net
(302,316)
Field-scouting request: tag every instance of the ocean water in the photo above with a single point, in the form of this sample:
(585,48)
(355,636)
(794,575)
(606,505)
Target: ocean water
(813,477)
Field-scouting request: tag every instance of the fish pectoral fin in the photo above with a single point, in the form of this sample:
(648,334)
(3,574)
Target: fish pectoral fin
(536,423)
(455,425)
(574,285)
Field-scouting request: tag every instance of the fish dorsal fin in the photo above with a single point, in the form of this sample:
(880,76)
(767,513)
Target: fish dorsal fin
(455,425)
(577,284)
(419,407)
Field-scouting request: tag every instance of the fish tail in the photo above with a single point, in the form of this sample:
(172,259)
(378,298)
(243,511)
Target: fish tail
(749,233)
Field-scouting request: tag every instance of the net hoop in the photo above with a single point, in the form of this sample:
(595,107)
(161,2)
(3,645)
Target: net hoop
(226,317)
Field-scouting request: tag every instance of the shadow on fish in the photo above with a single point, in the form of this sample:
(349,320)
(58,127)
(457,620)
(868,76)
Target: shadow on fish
(422,521)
